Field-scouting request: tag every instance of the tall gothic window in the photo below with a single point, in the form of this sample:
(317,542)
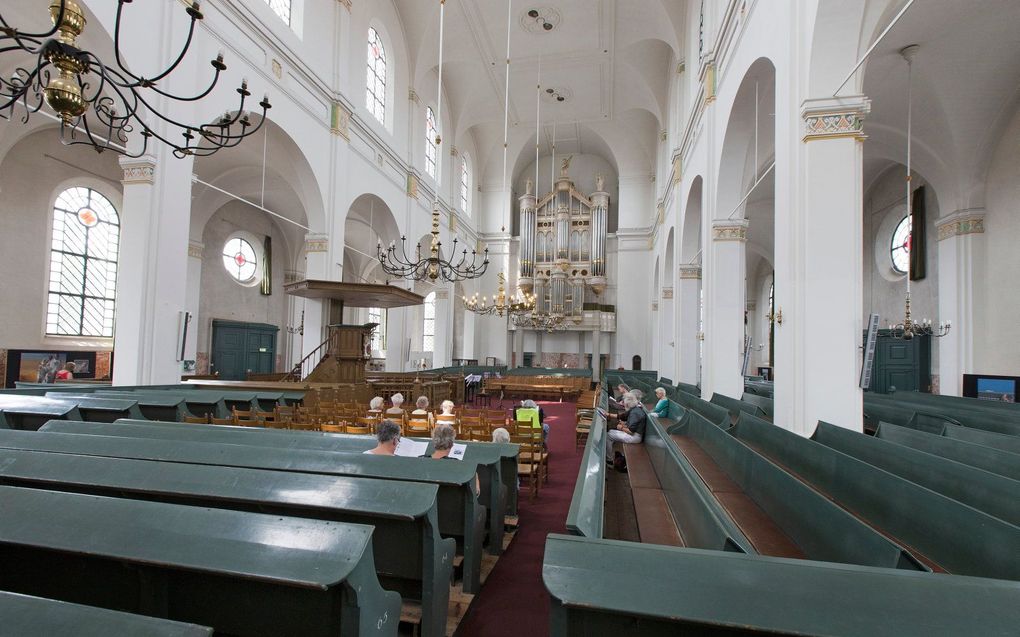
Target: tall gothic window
(465,186)
(83,265)
(428,331)
(899,249)
(281,8)
(375,95)
(431,151)
(378,315)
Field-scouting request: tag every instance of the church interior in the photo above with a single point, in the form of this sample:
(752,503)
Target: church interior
(692,290)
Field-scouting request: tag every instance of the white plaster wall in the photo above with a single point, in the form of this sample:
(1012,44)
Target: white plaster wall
(31,177)
(222,297)
(997,297)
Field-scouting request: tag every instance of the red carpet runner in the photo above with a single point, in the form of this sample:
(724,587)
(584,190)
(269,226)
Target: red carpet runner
(514,601)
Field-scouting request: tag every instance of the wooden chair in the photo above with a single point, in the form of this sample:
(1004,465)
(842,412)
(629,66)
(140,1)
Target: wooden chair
(478,436)
(305,426)
(359,428)
(248,422)
(197,420)
(418,426)
(495,418)
(279,423)
(221,421)
(472,423)
(333,429)
(448,418)
(528,466)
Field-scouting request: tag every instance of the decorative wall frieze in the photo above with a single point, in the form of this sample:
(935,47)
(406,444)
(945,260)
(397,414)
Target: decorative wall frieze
(709,81)
(316,242)
(137,171)
(729,230)
(961,222)
(412,185)
(667,293)
(195,249)
(340,120)
(677,173)
(835,117)
(690,272)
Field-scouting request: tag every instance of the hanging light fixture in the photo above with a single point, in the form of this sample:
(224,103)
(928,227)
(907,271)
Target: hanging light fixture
(501,304)
(401,265)
(910,328)
(105,102)
(539,321)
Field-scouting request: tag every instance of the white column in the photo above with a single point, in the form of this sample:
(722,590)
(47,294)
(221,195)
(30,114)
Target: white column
(820,298)
(596,348)
(689,297)
(443,353)
(961,242)
(519,347)
(398,332)
(724,305)
(667,332)
(295,308)
(151,293)
(194,297)
(316,267)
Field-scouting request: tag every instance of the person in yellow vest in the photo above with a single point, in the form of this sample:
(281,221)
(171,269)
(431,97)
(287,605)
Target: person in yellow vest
(530,411)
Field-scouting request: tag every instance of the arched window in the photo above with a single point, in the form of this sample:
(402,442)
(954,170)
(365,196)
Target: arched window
(465,186)
(375,95)
(83,265)
(431,151)
(428,331)
(899,248)
(281,8)
(378,315)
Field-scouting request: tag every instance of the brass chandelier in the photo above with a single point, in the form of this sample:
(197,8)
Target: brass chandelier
(105,101)
(539,321)
(501,305)
(401,265)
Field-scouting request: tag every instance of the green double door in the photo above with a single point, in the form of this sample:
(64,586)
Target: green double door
(240,349)
(903,365)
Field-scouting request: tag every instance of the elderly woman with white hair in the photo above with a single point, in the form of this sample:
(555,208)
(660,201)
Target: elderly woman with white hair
(446,414)
(397,410)
(375,406)
(630,432)
(422,410)
(443,437)
(662,406)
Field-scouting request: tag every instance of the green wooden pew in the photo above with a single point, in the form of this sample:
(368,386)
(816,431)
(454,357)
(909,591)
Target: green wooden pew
(197,403)
(971,413)
(488,458)
(164,406)
(95,408)
(767,405)
(699,517)
(460,515)
(607,588)
(31,412)
(586,514)
(997,461)
(719,416)
(410,557)
(991,439)
(945,534)
(688,388)
(240,573)
(958,402)
(819,528)
(736,407)
(994,494)
(27,616)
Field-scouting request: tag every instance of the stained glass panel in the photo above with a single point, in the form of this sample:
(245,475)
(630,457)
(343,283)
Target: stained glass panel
(375,93)
(430,142)
(899,250)
(240,260)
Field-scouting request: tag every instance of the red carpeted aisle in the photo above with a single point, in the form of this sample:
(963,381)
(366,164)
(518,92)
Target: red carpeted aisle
(513,600)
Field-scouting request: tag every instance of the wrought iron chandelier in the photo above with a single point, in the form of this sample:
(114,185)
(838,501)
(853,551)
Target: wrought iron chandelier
(434,266)
(910,328)
(501,304)
(107,102)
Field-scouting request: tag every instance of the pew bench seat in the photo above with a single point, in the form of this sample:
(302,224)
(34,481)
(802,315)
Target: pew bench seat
(654,519)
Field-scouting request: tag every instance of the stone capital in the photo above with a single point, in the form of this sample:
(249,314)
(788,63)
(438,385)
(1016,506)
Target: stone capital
(690,272)
(346,3)
(413,96)
(412,185)
(667,293)
(729,230)
(316,242)
(835,117)
(195,249)
(960,223)
(137,170)
(340,120)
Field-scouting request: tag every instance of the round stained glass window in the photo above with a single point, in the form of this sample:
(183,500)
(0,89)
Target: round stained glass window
(899,250)
(88,217)
(240,260)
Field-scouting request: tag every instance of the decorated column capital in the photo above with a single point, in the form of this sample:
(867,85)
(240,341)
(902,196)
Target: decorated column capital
(340,120)
(835,117)
(137,170)
(690,271)
(195,249)
(412,95)
(667,292)
(729,230)
(346,3)
(961,222)
(412,185)
(316,242)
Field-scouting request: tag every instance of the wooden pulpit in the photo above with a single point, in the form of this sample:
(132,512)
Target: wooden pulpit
(350,347)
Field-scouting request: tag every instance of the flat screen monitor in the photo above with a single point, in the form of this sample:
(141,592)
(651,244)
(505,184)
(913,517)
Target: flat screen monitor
(993,388)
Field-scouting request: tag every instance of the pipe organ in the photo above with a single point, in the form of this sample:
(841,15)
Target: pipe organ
(563,246)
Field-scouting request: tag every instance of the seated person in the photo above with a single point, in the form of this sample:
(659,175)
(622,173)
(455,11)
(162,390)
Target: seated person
(443,437)
(398,406)
(632,430)
(662,406)
(387,435)
(447,414)
(422,412)
(638,394)
(529,410)
(621,389)
(67,373)
(500,434)
(375,406)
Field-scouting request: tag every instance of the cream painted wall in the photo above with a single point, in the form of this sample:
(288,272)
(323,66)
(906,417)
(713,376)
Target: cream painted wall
(31,176)
(222,297)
